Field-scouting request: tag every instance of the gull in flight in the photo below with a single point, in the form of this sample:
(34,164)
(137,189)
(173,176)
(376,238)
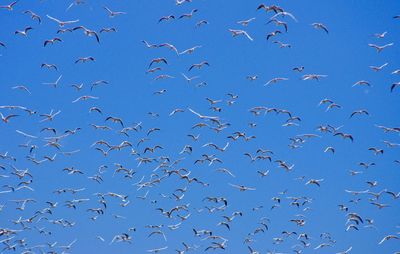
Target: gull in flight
(275,80)
(9,7)
(378,68)
(189,79)
(245,22)
(62,23)
(320,26)
(380,48)
(284,13)
(33,15)
(6,119)
(54,83)
(21,87)
(240,32)
(202,116)
(112,14)
(88,32)
(242,187)
(23,32)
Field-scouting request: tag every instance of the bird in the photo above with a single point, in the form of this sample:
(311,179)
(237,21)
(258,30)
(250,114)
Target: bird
(359,112)
(273,34)
(275,80)
(49,66)
(245,22)
(378,68)
(113,14)
(199,65)
(242,187)
(10,6)
(166,18)
(388,237)
(22,87)
(361,83)
(54,84)
(188,15)
(23,32)
(85,59)
(158,60)
(240,32)
(88,32)
(51,41)
(394,86)
(7,118)
(62,23)
(279,23)
(34,16)
(189,50)
(320,26)
(380,48)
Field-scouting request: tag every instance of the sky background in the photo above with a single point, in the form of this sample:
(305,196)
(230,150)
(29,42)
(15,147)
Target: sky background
(122,60)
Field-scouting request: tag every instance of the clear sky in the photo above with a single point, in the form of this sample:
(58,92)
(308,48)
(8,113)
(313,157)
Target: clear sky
(343,56)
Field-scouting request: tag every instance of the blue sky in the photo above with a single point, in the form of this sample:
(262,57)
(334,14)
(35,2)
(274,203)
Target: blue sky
(122,60)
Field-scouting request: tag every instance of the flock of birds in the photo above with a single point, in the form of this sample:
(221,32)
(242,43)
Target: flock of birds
(194,198)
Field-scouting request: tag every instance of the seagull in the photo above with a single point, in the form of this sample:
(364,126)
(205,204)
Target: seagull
(148,45)
(314,181)
(21,87)
(6,119)
(360,112)
(203,116)
(190,50)
(275,80)
(188,15)
(84,98)
(242,187)
(272,34)
(189,79)
(9,7)
(112,14)
(394,85)
(361,82)
(51,41)
(166,18)
(54,84)
(274,8)
(62,23)
(240,32)
(320,26)
(378,68)
(23,32)
(199,65)
(48,66)
(88,32)
(313,76)
(388,237)
(75,2)
(380,36)
(283,13)
(85,59)
(158,60)
(380,48)
(279,23)
(33,15)
(246,22)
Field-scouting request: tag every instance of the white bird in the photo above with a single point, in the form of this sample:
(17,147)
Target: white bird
(203,116)
(54,84)
(112,14)
(246,22)
(62,23)
(380,48)
(240,32)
